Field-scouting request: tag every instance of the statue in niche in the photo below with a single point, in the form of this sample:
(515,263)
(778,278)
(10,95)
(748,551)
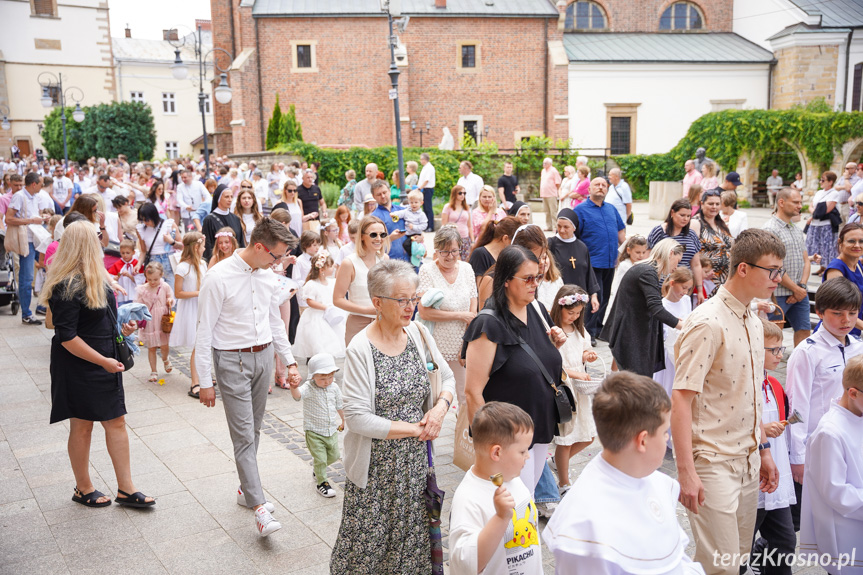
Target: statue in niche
(447,142)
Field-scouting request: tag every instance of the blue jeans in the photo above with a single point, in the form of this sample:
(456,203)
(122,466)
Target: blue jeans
(428,194)
(546,489)
(25,280)
(797,314)
(165,260)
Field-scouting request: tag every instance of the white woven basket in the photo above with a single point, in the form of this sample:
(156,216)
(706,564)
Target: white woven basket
(592,386)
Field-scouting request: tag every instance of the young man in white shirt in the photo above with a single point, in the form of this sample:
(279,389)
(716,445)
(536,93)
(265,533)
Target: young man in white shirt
(832,518)
(191,193)
(471,183)
(814,371)
(427,184)
(24,210)
(238,321)
(63,190)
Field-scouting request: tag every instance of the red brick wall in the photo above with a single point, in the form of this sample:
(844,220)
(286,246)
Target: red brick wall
(643,15)
(346,101)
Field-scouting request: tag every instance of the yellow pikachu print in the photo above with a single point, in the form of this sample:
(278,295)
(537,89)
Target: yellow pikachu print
(524,529)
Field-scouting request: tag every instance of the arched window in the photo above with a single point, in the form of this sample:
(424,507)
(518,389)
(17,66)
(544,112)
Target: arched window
(681,16)
(584,15)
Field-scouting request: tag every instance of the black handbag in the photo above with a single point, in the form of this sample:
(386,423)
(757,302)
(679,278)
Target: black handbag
(564,401)
(121,346)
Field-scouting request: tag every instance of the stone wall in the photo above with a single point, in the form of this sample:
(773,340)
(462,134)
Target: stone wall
(643,15)
(803,73)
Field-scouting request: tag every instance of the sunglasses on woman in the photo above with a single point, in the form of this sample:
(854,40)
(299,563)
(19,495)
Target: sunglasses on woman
(376,235)
(535,279)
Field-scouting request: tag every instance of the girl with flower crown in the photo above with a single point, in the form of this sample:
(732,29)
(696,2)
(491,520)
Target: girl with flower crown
(567,312)
(322,326)
(225,246)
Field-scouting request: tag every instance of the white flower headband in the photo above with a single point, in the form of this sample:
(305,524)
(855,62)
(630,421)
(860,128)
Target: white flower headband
(321,258)
(573,299)
(225,235)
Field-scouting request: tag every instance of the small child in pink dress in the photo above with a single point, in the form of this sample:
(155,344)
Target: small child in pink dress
(158,296)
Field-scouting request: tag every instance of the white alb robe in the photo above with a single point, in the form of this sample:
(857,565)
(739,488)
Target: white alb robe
(831,520)
(611,523)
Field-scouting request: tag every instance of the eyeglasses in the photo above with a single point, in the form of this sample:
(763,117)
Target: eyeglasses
(272,255)
(535,279)
(775,273)
(854,242)
(246,187)
(859,203)
(376,235)
(403,301)
(293,191)
(448,253)
(460,194)
(777,351)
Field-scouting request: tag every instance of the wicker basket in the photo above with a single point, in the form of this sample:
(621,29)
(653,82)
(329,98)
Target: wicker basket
(592,386)
(777,309)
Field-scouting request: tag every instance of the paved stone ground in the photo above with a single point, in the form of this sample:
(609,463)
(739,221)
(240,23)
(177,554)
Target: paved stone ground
(181,454)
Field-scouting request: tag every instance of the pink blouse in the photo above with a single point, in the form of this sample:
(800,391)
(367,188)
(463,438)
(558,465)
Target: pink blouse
(479,217)
(460,219)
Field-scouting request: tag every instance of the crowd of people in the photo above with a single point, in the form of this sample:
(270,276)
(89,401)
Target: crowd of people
(494,321)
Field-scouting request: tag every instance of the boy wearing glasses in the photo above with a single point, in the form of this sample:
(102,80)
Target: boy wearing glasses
(832,498)
(773,520)
(815,368)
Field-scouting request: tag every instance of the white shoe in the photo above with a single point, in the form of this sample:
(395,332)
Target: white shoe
(265,522)
(546,509)
(241,500)
(326,489)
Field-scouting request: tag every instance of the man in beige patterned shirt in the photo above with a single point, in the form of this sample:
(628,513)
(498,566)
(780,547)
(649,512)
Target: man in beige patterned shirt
(719,441)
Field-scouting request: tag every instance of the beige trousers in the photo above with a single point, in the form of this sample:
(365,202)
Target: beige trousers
(549,205)
(725,524)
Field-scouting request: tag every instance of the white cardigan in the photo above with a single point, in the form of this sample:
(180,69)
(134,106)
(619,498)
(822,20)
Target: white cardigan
(358,392)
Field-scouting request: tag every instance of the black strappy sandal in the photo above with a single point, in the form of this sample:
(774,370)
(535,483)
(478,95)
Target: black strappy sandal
(90,499)
(136,499)
(193,393)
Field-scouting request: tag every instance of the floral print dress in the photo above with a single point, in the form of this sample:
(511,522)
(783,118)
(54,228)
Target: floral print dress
(385,529)
(716,245)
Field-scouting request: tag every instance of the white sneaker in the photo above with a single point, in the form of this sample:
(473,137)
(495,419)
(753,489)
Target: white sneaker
(546,509)
(241,500)
(326,489)
(265,522)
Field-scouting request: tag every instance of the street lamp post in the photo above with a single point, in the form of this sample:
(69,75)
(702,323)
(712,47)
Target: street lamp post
(222,92)
(48,80)
(4,111)
(394,95)
(420,131)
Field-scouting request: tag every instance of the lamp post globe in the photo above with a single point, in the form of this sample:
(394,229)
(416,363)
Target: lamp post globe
(5,125)
(223,92)
(78,114)
(46,98)
(179,70)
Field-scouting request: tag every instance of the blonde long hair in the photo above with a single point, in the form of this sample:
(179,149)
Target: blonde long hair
(191,240)
(78,267)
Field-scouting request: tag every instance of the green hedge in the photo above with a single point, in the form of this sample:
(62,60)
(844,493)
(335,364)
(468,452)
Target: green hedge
(729,134)
(486,159)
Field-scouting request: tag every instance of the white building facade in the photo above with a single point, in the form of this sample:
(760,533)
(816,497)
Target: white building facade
(65,37)
(639,93)
(144,75)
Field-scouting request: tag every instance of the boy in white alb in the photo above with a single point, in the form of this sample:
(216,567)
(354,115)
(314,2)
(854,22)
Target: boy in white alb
(620,516)
(493,523)
(831,523)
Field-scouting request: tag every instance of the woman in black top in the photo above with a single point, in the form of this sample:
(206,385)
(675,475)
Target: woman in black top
(499,369)
(634,327)
(572,257)
(494,237)
(86,375)
(221,217)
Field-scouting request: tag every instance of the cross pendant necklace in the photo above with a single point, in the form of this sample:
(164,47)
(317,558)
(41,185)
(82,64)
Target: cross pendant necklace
(572,261)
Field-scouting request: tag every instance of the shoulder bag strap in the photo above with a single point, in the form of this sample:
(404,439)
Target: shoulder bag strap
(427,352)
(527,349)
(155,236)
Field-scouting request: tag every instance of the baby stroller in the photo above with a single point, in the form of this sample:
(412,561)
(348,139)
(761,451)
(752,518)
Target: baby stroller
(8,289)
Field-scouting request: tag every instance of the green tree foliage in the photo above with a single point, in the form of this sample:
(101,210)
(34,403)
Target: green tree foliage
(107,131)
(290,129)
(274,126)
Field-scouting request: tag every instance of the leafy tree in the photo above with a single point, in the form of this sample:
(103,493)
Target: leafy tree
(274,127)
(52,135)
(290,131)
(107,131)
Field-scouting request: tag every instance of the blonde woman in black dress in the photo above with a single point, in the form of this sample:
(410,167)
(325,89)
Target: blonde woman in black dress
(86,375)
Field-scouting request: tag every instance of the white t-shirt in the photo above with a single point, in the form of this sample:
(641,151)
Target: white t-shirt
(519,552)
(427,175)
(147,234)
(823,196)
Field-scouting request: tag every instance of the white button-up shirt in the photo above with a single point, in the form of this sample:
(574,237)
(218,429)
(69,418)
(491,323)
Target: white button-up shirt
(238,307)
(472,185)
(192,196)
(427,176)
(814,379)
